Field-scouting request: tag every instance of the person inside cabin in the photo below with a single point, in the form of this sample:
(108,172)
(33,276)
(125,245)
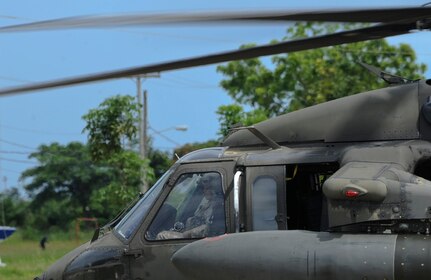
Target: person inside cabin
(205,220)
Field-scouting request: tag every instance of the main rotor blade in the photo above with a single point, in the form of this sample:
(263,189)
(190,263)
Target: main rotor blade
(375,32)
(340,15)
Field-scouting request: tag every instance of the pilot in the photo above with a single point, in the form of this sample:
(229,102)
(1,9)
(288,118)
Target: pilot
(198,225)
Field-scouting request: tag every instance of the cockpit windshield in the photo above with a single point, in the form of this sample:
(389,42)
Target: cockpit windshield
(131,221)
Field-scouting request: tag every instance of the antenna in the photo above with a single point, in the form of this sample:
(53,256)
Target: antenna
(391,79)
(265,139)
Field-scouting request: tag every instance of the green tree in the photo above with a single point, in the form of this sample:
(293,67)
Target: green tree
(301,79)
(97,179)
(112,124)
(190,147)
(125,171)
(112,129)
(231,115)
(14,207)
(52,215)
(160,162)
(61,185)
(64,172)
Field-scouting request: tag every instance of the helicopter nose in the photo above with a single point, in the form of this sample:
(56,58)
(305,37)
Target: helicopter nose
(56,270)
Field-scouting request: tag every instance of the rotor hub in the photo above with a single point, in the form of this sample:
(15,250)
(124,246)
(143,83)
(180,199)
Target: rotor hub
(423,24)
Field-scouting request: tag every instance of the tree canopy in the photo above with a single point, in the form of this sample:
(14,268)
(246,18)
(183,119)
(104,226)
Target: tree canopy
(94,180)
(301,79)
(99,178)
(111,124)
(190,147)
(64,172)
(62,184)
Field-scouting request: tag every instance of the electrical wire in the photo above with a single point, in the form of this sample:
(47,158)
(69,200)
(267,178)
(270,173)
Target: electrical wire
(181,37)
(9,170)
(38,131)
(15,79)
(18,161)
(188,82)
(164,137)
(14,152)
(16,18)
(17,144)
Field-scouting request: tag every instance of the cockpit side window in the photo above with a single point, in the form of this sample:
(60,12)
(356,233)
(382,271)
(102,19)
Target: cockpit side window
(131,221)
(193,209)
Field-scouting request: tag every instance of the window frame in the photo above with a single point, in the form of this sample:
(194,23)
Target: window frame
(174,187)
(223,167)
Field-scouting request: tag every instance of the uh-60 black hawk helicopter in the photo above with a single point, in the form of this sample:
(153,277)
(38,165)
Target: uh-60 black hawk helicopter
(340,190)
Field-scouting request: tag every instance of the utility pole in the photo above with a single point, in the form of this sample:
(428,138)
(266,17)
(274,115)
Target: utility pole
(2,200)
(143,123)
(141,118)
(143,130)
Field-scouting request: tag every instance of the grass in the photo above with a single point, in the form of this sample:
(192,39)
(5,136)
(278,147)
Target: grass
(25,259)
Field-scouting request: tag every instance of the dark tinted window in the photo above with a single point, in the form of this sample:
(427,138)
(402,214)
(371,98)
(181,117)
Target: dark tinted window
(193,209)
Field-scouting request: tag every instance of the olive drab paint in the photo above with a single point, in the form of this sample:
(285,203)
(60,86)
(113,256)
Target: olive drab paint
(336,191)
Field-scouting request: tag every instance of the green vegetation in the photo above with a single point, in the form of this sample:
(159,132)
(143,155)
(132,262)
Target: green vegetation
(76,180)
(65,178)
(25,259)
(112,129)
(190,147)
(98,179)
(301,79)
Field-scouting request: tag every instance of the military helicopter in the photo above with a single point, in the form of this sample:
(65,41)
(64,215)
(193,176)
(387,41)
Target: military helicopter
(340,190)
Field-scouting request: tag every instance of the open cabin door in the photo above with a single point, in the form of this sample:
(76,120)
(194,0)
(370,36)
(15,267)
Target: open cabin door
(286,197)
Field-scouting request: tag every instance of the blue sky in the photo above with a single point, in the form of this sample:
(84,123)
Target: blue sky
(186,97)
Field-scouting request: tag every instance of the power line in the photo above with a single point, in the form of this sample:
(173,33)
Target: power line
(182,37)
(165,137)
(38,131)
(14,152)
(8,17)
(9,170)
(189,83)
(15,79)
(164,147)
(388,52)
(170,84)
(17,144)
(16,18)
(18,161)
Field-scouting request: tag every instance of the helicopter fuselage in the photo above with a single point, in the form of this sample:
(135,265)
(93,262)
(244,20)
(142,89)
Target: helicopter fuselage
(346,195)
